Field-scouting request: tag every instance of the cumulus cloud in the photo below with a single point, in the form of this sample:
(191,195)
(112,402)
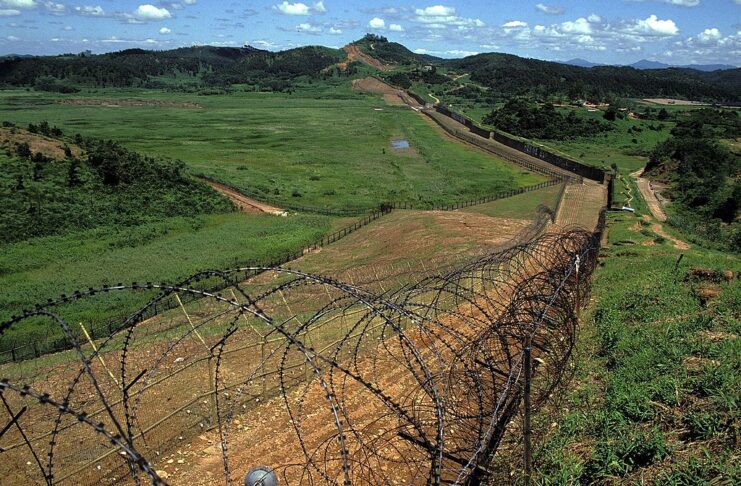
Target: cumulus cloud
(440,16)
(319,7)
(90,11)
(150,12)
(396,28)
(55,8)
(514,24)
(578,26)
(549,9)
(461,53)
(165,31)
(308,28)
(293,8)
(19,4)
(335,31)
(377,23)
(13,38)
(709,35)
(653,26)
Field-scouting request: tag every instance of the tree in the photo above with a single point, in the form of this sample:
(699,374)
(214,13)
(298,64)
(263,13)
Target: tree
(73,175)
(24,151)
(663,114)
(610,114)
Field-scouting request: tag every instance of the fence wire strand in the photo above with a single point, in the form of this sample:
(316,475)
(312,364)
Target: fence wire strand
(323,381)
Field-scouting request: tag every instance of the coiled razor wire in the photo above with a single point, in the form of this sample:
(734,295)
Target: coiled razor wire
(322,381)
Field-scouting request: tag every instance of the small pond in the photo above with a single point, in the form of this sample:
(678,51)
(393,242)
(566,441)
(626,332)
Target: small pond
(400,144)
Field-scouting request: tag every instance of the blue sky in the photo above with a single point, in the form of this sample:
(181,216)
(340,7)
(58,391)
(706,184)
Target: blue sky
(608,31)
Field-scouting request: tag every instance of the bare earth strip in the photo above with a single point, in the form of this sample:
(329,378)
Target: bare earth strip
(581,205)
(644,185)
(355,54)
(244,203)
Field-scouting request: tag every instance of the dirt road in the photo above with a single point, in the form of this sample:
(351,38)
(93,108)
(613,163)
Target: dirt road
(244,203)
(644,185)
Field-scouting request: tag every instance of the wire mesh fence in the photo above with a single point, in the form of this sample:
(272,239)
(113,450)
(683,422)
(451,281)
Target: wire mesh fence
(323,381)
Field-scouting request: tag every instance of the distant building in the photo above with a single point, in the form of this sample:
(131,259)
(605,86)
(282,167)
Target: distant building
(428,68)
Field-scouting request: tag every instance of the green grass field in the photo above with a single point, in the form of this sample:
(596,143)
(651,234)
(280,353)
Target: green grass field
(522,206)
(656,392)
(34,270)
(324,145)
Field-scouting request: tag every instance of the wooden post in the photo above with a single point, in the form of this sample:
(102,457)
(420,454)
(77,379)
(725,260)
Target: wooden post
(100,358)
(527,425)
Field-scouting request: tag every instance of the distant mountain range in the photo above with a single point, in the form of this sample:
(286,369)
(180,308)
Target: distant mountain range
(646,64)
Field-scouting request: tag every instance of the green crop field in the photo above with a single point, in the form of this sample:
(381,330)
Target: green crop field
(323,145)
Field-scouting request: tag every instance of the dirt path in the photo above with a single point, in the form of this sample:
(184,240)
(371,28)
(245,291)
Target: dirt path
(437,100)
(244,203)
(644,185)
(491,146)
(355,54)
(659,230)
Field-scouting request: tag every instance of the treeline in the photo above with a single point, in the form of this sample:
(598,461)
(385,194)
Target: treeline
(109,185)
(703,176)
(508,75)
(207,66)
(526,119)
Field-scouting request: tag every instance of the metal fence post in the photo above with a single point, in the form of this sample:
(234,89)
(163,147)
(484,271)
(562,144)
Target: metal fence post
(527,425)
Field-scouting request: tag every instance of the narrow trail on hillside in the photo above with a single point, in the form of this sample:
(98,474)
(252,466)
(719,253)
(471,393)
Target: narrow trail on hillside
(649,195)
(244,203)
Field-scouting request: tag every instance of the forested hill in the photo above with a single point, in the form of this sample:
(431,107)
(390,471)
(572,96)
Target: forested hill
(513,75)
(505,74)
(211,66)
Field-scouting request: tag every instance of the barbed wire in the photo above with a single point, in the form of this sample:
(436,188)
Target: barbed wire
(323,381)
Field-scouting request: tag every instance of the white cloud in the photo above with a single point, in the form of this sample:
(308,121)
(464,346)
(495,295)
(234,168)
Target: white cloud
(55,8)
(436,11)
(377,23)
(189,2)
(440,16)
(335,31)
(653,26)
(319,7)
(165,31)
(18,4)
(549,9)
(292,8)
(709,35)
(396,28)
(461,53)
(150,12)
(684,3)
(514,24)
(90,11)
(578,26)
(305,27)
(594,18)
(9,12)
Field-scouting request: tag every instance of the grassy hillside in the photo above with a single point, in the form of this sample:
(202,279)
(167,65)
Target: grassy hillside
(656,391)
(107,186)
(323,146)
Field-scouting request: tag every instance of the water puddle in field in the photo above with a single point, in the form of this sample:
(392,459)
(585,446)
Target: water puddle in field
(400,144)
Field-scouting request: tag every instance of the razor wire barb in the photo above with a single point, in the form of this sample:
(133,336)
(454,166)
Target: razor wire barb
(323,381)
